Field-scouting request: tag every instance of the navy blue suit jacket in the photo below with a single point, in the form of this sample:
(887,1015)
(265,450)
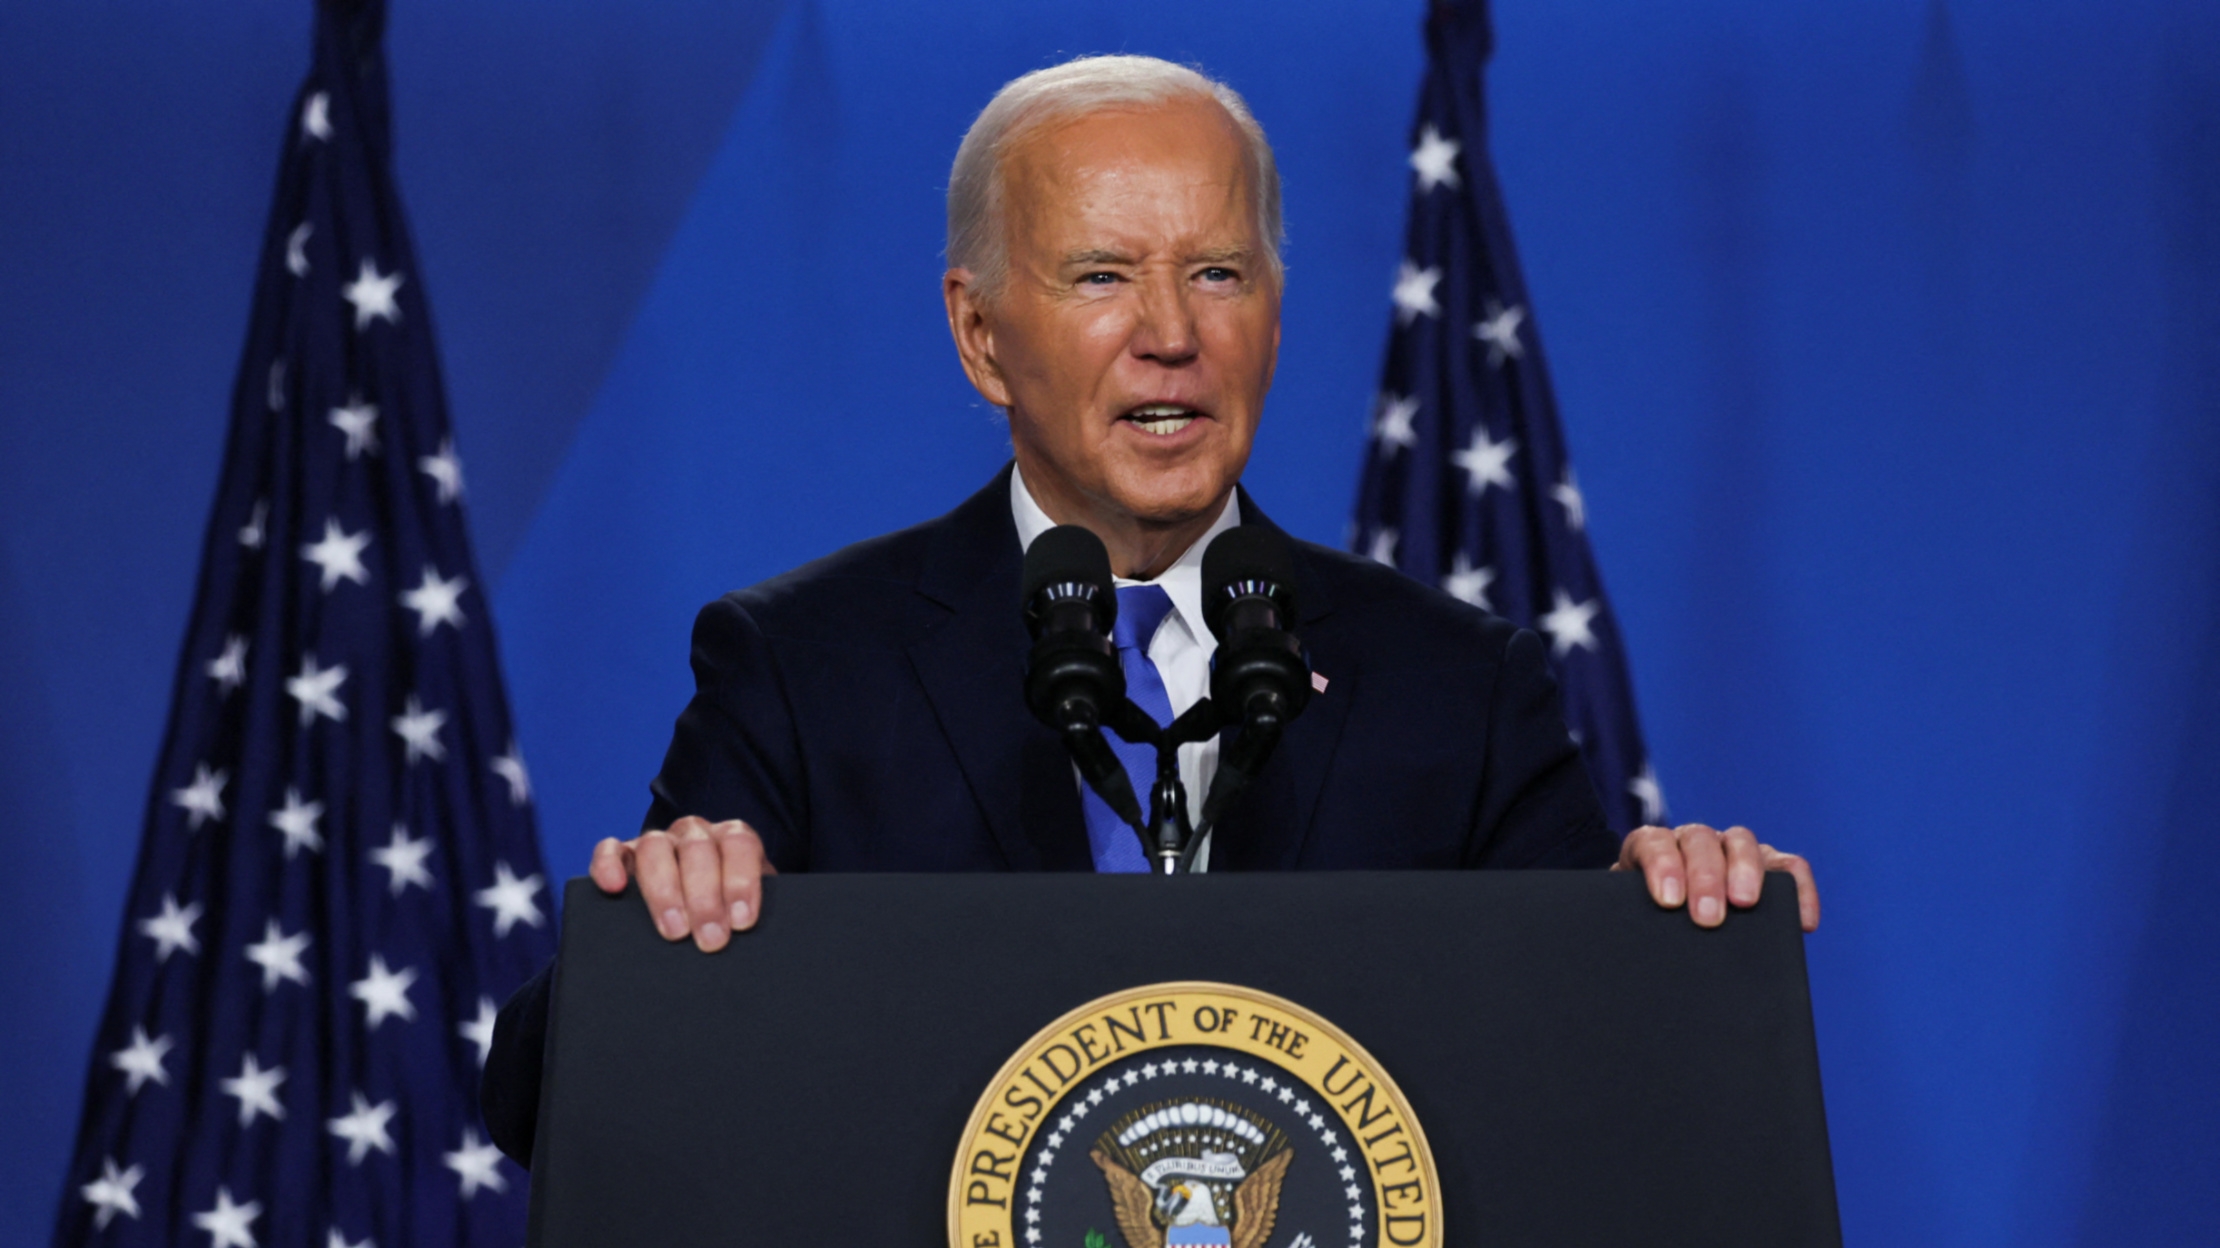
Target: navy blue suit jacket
(865,713)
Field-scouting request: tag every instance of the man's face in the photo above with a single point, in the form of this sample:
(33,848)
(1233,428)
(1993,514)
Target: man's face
(1134,338)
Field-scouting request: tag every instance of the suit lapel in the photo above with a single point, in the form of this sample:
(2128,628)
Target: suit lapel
(1269,825)
(972,668)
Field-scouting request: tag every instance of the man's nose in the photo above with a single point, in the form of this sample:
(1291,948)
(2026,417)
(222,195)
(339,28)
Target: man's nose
(1166,332)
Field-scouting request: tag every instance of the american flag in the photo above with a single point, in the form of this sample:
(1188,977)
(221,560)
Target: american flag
(339,876)
(1466,483)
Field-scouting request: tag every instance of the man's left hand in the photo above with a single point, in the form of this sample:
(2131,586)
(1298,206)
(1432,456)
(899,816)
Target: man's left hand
(1710,870)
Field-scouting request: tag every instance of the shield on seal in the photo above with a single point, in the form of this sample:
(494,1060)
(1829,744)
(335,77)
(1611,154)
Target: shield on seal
(1194,1173)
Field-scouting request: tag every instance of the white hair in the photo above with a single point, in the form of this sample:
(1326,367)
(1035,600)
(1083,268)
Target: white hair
(976,239)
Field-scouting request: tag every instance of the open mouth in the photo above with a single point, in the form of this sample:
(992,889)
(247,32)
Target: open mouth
(1161,419)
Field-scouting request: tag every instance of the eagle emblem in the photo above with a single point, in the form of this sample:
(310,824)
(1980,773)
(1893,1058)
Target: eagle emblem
(1193,1173)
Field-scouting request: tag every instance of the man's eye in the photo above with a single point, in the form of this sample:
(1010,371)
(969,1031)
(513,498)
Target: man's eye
(1216,273)
(1099,279)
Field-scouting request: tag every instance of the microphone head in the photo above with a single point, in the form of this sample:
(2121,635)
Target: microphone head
(1247,561)
(1068,562)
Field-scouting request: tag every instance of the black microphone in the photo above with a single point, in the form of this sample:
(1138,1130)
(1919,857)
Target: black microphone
(1072,678)
(1259,677)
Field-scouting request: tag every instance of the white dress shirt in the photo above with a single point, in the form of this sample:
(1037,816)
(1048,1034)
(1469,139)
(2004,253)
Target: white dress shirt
(1181,648)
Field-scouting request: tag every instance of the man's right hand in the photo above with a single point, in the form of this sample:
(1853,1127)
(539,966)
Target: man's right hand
(696,876)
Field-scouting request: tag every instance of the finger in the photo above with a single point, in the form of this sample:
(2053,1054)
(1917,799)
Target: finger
(744,869)
(1807,887)
(703,883)
(1745,866)
(1707,874)
(655,866)
(612,865)
(1656,853)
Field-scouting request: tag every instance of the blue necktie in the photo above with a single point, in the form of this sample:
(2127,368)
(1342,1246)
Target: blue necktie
(1141,611)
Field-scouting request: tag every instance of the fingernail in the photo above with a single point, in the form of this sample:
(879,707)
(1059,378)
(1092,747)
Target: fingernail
(1672,891)
(674,923)
(739,915)
(1707,911)
(712,935)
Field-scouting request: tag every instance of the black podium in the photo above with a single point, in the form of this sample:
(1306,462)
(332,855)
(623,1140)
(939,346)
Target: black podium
(1585,1069)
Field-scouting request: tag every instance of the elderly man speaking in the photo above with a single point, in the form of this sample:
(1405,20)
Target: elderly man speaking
(1114,286)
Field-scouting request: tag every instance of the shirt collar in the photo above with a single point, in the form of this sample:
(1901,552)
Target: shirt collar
(1182,581)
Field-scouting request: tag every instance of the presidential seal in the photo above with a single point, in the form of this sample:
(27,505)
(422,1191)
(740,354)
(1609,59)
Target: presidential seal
(1193,1115)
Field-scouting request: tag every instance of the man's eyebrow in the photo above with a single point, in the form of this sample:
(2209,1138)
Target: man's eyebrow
(1216,255)
(1223,255)
(1095,256)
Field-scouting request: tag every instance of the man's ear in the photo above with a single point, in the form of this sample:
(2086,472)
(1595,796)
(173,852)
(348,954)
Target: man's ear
(1272,368)
(971,324)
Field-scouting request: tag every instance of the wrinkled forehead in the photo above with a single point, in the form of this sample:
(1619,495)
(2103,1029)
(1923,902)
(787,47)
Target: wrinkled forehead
(1181,157)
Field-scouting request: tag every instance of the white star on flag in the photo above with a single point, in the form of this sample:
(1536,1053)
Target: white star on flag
(364,1129)
(296,258)
(1414,293)
(256,1089)
(229,1225)
(336,1240)
(338,555)
(141,1059)
(479,1031)
(1467,583)
(445,471)
(510,899)
(229,669)
(434,601)
(316,117)
(1647,791)
(510,767)
(477,1164)
(1435,159)
(274,393)
(1567,493)
(279,955)
(1567,624)
(172,929)
(359,421)
(404,858)
(372,294)
(251,534)
(419,730)
(384,993)
(297,824)
(1382,549)
(112,1192)
(1392,427)
(316,689)
(203,799)
(1486,462)
(1500,330)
